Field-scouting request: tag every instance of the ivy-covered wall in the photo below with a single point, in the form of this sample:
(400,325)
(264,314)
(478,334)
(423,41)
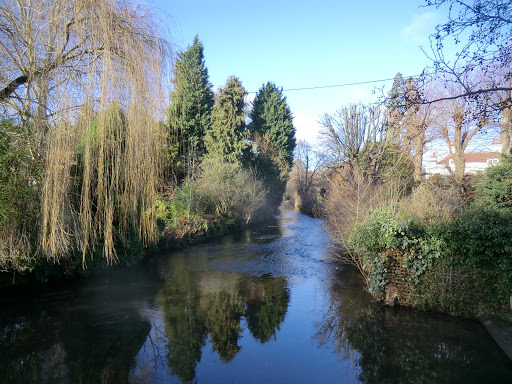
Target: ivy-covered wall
(462,267)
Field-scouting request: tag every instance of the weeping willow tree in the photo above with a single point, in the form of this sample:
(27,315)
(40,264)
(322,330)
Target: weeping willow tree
(84,78)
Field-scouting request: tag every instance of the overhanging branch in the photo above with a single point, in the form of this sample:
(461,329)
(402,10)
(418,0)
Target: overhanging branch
(467,94)
(12,86)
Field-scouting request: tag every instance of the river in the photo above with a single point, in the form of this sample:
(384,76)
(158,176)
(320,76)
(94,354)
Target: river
(269,305)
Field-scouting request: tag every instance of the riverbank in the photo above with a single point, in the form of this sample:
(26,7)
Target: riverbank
(188,232)
(500,328)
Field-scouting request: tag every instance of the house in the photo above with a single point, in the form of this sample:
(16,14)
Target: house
(474,161)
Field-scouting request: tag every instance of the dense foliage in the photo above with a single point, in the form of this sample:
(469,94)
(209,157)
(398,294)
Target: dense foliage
(228,136)
(273,135)
(15,166)
(191,106)
(82,183)
(462,266)
(495,187)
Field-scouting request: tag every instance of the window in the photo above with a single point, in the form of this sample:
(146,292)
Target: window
(493,161)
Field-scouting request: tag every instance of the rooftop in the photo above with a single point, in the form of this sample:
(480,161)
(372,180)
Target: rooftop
(474,157)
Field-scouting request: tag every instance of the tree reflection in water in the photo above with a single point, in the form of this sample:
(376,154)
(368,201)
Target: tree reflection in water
(84,333)
(391,345)
(197,304)
(267,302)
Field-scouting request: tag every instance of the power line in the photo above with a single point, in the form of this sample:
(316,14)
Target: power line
(342,85)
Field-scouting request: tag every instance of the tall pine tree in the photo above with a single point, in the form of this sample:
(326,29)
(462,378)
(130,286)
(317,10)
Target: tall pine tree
(228,136)
(191,104)
(273,135)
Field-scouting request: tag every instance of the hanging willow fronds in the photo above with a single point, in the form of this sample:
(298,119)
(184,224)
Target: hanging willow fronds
(87,76)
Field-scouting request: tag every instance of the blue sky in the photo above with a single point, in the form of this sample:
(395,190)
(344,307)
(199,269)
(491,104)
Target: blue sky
(305,44)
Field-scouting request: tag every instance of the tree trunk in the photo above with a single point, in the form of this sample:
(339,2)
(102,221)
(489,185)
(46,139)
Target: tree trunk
(419,144)
(506,125)
(460,165)
(459,147)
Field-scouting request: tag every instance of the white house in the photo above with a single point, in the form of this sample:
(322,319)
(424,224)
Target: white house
(475,161)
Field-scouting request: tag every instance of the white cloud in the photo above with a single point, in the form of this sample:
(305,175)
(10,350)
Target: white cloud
(420,27)
(307,127)
(249,99)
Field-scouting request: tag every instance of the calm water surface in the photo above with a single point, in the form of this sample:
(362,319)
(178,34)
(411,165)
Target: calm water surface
(267,306)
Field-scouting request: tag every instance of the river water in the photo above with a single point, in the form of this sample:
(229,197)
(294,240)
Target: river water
(269,305)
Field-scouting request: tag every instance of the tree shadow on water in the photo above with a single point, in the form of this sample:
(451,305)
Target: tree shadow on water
(391,345)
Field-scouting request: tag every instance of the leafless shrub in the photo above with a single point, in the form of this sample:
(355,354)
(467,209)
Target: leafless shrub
(431,202)
(348,204)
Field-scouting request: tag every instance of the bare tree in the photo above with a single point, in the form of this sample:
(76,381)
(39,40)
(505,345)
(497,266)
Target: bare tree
(366,160)
(421,133)
(457,124)
(506,123)
(360,142)
(503,102)
(304,176)
(482,32)
(410,118)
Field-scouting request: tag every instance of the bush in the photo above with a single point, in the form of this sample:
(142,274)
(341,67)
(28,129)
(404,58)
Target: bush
(385,234)
(461,266)
(183,202)
(495,187)
(480,238)
(229,190)
(14,163)
(19,198)
(432,202)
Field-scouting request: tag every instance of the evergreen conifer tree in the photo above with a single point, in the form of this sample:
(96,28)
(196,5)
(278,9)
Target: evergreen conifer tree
(273,135)
(228,136)
(191,104)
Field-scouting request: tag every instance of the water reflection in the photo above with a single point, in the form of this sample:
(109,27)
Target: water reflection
(81,333)
(266,306)
(201,306)
(252,308)
(393,345)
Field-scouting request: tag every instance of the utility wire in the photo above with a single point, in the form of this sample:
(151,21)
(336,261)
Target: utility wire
(342,85)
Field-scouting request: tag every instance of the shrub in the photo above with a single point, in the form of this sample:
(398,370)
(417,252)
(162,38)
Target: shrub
(13,176)
(183,202)
(480,238)
(227,189)
(19,202)
(346,205)
(461,266)
(384,233)
(495,187)
(432,202)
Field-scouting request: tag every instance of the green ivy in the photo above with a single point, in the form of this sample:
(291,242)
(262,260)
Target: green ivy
(478,244)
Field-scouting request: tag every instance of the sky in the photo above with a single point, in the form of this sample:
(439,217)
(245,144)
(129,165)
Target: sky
(305,44)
